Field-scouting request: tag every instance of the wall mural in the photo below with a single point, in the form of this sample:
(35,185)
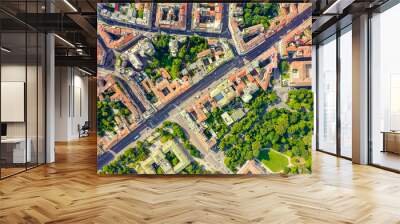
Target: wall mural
(204,88)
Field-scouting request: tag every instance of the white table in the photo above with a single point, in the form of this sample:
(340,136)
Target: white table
(19,155)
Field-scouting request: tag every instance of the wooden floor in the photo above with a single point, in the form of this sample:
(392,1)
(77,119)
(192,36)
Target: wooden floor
(5,172)
(69,191)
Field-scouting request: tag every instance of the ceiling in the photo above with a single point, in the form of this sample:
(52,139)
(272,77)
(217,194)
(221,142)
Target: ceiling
(72,20)
(332,15)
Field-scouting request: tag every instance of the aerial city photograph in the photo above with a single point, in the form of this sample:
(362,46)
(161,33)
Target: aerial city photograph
(204,88)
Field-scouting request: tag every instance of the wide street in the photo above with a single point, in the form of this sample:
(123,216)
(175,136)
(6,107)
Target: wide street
(160,115)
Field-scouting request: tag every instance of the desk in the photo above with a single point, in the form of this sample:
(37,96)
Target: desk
(391,141)
(13,150)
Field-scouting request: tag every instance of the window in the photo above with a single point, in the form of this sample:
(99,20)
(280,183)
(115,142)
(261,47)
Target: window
(345,44)
(385,89)
(22,75)
(327,95)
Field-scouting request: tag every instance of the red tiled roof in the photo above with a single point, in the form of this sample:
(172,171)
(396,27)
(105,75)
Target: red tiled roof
(204,53)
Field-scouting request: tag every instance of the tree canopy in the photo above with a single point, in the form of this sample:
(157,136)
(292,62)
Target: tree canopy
(278,128)
(259,13)
(187,54)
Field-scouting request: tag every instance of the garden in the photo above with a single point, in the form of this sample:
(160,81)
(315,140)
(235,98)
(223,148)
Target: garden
(187,54)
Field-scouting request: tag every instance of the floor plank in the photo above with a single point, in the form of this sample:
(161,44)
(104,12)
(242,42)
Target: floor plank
(70,191)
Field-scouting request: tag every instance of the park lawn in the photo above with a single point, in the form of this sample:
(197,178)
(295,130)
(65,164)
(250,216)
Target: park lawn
(274,160)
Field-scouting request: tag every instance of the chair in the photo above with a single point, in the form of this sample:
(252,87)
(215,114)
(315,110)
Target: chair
(84,130)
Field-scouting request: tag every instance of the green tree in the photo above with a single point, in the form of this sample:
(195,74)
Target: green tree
(259,13)
(140,13)
(176,67)
(284,66)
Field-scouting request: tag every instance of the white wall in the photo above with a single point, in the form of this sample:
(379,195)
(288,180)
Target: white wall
(61,103)
(71,102)
(33,127)
(14,73)
(80,110)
